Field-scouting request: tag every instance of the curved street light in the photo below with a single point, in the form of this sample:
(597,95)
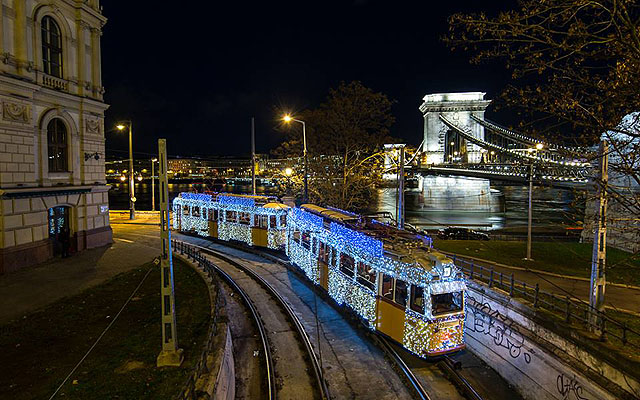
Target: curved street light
(288,118)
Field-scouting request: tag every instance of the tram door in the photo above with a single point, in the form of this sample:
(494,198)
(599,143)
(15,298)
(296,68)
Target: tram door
(59,228)
(323,265)
(391,304)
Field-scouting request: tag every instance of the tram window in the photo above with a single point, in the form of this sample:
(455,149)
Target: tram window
(272,221)
(296,236)
(323,253)
(417,299)
(195,211)
(366,275)
(261,221)
(446,303)
(244,218)
(185,210)
(401,292)
(231,216)
(306,240)
(283,221)
(347,264)
(213,215)
(387,287)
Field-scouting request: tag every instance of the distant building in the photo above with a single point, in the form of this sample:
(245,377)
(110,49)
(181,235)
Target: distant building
(52,181)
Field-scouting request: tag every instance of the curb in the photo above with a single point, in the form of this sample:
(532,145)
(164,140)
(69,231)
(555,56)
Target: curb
(537,271)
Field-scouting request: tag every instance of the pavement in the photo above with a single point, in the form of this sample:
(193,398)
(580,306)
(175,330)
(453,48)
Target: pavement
(33,288)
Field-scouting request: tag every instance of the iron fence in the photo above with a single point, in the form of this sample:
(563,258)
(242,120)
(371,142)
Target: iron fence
(571,310)
(189,391)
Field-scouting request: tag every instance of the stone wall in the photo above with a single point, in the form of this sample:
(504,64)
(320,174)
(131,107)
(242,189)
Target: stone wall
(539,363)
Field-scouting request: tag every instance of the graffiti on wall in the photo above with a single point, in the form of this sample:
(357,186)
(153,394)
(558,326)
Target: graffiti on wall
(569,388)
(481,318)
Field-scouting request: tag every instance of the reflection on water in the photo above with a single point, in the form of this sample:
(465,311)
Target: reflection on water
(551,206)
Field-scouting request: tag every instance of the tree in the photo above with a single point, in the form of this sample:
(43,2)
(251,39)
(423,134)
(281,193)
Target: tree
(345,135)
(576,72)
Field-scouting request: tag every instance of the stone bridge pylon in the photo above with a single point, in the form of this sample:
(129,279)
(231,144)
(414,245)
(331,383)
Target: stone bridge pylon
(442,144)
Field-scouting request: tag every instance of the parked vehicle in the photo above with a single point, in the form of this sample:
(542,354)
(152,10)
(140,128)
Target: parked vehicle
(453,233)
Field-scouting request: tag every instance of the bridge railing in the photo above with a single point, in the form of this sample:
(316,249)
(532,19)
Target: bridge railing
(570,310)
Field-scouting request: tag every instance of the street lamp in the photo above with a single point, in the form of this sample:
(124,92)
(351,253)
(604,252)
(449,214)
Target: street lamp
(287,118)
(539,146)
(132,198)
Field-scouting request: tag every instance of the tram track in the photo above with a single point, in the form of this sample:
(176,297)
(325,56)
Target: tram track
(284,378)
(425,379)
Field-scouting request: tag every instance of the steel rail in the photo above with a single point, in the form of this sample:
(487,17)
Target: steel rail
(322,387)
(397,359)
(271,379)
(452,367)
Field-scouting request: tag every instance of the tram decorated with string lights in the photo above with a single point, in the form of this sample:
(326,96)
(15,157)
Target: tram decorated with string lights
(391,278)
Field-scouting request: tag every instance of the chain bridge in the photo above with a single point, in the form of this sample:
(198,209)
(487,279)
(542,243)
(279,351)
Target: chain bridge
(459,141)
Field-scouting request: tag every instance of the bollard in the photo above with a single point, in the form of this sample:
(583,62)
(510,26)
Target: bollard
(535,298)
(511,288)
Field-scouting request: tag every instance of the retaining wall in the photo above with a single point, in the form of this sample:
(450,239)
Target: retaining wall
(539,363)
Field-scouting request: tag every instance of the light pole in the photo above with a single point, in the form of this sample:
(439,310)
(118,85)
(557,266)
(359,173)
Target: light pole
(288,118)
(153,181)
(539,146)
(253,156)
(132,197)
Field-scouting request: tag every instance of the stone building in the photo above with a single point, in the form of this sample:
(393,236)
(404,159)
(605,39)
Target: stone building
(52,181)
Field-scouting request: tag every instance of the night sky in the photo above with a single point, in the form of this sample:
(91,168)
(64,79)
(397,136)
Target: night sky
(197,74)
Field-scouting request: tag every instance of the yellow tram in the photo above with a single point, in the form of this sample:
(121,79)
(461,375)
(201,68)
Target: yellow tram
(391,278)
(254,220)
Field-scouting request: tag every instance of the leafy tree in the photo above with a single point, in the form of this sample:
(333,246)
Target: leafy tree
(345,135)
(576,72)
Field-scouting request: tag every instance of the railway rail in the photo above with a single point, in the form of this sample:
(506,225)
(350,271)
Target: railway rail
(274,372)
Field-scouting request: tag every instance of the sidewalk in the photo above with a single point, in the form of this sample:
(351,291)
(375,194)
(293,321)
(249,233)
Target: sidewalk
(33,288)
(142,217)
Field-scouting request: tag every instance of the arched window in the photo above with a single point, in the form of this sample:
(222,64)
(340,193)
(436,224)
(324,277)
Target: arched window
(51,47)
(58,147)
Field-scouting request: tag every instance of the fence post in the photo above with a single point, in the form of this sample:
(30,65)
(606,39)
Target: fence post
(501,286)
(624,333)
(491,278)
(524,290)
(567,315)
(535,298)
(511,288)
(481,271)
(603,330)
(471,274)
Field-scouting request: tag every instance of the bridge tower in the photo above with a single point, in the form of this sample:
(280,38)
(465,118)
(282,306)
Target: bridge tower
(457,107)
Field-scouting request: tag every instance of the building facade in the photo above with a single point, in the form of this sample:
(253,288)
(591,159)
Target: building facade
(52,182)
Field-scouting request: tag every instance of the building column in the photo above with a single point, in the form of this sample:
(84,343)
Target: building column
(20,34)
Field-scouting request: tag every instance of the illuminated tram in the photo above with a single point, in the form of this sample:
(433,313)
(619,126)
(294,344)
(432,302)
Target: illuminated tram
(393,279)
(254,220)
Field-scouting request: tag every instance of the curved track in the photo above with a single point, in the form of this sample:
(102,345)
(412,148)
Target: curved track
(282,374)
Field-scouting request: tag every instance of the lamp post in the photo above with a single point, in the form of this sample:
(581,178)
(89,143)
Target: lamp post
(153,190)
(539,146)
(132,197)
(288,118)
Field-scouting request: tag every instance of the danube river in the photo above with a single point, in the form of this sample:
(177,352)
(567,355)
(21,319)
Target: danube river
(506,205)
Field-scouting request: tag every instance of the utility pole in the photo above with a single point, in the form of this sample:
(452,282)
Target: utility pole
(529,218)
(400,212)
(598,282)
(153,184)
(253,156)
(171,355)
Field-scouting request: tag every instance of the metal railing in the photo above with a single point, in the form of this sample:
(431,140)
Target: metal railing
(189,391)
(570,310)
